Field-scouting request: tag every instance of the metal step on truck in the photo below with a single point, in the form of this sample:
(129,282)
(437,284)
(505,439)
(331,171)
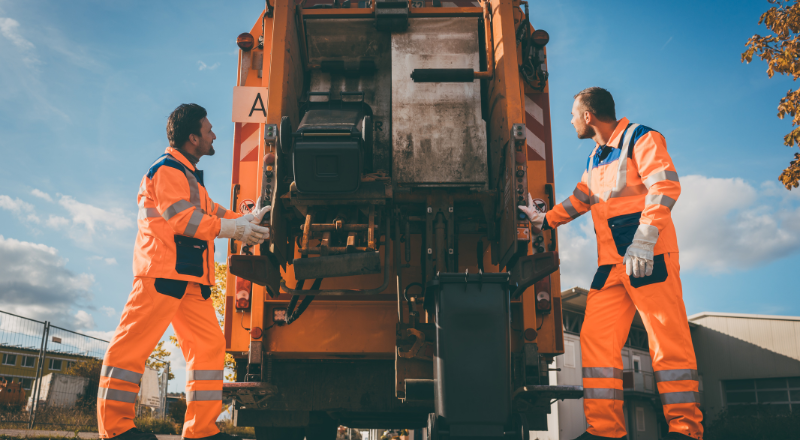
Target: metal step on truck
(400,287)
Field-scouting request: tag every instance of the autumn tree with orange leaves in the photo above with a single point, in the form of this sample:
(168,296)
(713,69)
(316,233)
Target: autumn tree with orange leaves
(781,50)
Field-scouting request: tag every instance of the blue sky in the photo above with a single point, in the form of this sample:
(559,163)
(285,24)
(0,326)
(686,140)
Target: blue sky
(86,88)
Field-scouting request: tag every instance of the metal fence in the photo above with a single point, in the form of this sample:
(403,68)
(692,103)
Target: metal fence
(51,376)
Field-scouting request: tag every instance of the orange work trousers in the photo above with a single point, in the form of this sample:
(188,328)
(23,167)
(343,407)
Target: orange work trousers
(610,308)
(153,304)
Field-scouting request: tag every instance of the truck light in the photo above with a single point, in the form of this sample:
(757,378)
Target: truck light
(256,333)
(530,334)
(269,159)
(245,41)
(540,37)
(243,290)
(543,301)
(279,315)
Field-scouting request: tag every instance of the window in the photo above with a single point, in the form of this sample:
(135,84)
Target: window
(27,382)
(28,361)
(781,394)
(55,364)
(9,359)
(636,362)
(640,419)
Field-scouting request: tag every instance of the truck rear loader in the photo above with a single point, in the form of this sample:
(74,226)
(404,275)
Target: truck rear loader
(400,286)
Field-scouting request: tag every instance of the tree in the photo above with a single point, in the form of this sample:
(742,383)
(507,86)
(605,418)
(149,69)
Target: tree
(158,359)
(89,368)
(781,51)
(218,301)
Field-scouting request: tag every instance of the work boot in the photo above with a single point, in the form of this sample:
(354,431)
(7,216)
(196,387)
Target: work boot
(587,436)
(218,436)
(677,436)
(135,434)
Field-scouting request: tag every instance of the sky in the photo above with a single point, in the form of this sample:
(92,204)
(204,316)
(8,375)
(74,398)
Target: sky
(86,88)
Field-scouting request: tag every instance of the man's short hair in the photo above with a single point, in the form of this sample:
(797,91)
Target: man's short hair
(599,102)
(183,121)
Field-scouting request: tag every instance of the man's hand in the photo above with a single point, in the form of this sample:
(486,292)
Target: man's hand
(247,227)
(638,258)
(535,216)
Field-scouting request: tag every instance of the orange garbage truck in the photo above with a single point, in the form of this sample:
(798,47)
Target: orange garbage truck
(400,287)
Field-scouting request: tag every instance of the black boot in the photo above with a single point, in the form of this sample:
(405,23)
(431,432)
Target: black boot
(587,436)
(217,436)
(677,436)
(135,434)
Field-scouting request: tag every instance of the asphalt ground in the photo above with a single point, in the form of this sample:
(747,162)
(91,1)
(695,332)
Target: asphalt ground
(35,433)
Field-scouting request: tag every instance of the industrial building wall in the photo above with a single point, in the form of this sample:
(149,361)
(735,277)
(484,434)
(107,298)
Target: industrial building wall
(732,346)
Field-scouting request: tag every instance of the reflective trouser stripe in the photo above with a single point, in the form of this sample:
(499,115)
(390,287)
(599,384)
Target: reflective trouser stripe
(220,212)
(571,211)
(580,195)
(603,393)
(204,375)
(118,395)
(680,397)
(602,373)
(194,223)
(175,208)
(121,374)
(659,199)
(672,375)
(192,396)
(661,176)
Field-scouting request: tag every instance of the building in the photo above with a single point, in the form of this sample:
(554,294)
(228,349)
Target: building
(19,364)
(742,361)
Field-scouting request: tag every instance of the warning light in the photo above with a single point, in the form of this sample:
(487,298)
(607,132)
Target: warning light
(256,333)
(279,315)
(540,37)
(543,301)
(245,41)
(269,167)
(243,288)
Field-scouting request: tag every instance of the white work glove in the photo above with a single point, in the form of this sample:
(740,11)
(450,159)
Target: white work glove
(535,216)
(246,228)
(638,258)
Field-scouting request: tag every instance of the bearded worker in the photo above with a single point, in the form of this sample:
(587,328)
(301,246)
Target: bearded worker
(173,269)
(630,185)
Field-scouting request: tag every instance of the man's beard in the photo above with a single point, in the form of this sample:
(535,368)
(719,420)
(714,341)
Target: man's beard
(211,150)
(586,133)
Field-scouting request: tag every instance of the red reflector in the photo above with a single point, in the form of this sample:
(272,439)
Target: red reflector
(540,37)
(256,333)
(530,334)
(543,296)
(245,41)
(243,288)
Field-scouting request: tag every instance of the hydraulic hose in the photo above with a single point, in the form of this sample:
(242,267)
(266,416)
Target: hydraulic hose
(295,314)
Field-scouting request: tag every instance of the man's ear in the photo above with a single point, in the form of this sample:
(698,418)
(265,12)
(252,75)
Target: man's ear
(588,117)
(194,139)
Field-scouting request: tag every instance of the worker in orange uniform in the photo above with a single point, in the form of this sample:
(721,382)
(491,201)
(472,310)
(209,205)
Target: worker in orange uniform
(630,185)
(173,268)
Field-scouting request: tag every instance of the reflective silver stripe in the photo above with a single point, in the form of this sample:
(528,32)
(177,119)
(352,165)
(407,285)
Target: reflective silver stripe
(680,397)
(671,375)
(194,188)
(148,213)
(118,395)
(659,199)
(635,190)
(220,212)
(622,170)
(192,396)
(194,223)
(589,171)
(603,393)
(204,374)
(567,204)
(661,176)
(121,374)
(581,196)
(602,373)
(595,199)
(179,206)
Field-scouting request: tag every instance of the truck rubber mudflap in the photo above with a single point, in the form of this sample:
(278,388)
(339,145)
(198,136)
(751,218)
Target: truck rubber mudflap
(472,362)
(532,268)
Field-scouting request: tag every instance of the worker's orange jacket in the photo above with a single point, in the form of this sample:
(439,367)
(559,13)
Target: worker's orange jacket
(629,182)
(178,222)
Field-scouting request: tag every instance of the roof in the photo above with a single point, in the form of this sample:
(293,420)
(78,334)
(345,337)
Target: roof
(743,315)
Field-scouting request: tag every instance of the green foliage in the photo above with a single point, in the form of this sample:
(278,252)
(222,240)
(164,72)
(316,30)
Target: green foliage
(227,427)
(781,50)
(89,368)
(177,410)
(760,426)
(158,359)
(158,426)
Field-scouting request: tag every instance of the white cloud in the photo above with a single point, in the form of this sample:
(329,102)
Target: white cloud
(723,224)
(56,222)
(23,210)
(204,66)
(104,335)
(34,282)
(110,261)
(83,320)
(109,311)
(9,28)
(42,195)
(93,218)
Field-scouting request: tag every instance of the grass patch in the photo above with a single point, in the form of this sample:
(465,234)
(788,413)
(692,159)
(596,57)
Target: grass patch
(241,431)
(158,426)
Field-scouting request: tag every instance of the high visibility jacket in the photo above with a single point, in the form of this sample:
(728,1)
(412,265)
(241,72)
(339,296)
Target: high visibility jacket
(178,222)
(630,181)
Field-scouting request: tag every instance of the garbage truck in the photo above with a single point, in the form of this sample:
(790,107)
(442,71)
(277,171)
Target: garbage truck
(400,287)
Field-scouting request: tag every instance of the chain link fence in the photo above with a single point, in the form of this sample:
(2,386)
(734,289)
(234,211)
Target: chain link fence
(49,376)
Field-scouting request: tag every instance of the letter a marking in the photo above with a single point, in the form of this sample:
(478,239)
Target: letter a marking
(255,103)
